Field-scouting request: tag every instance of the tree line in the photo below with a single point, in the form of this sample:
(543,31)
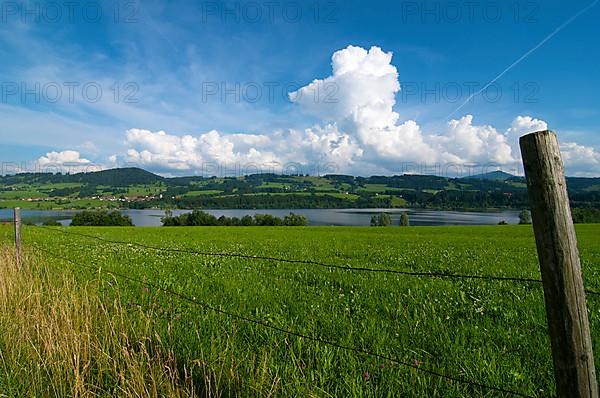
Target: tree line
(101,218)
(200,218)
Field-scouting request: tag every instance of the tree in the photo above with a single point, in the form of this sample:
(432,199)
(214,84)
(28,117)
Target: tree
(502,223)
(267,220)
(586,215)
(381,220)
(385,220)
(295,220)
(167,217)
(201,218)
(247,221)
(404,220)
(525,217)
(374,221)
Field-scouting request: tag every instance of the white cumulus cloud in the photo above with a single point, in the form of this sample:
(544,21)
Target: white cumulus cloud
(197,153)
(473,143)
(580,160)
(64,157)
(67,161)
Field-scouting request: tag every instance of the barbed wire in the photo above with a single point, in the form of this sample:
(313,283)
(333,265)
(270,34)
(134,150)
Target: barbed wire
(262,323)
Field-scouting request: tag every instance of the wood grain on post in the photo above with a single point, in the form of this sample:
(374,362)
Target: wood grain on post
(17,221)
(556,243)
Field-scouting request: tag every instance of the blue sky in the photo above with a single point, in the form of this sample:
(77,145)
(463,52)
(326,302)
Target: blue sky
(157,62)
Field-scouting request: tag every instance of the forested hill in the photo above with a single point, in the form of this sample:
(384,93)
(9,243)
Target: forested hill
(113,177)
(137,188)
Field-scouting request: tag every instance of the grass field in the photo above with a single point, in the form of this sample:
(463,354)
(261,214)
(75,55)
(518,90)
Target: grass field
(377,188)
(486,331)
(24,194)
(60,204)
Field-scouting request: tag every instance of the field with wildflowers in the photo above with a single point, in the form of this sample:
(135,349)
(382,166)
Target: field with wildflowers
(491,332)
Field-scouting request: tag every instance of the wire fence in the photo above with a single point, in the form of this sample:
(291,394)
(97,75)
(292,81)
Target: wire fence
(266,324)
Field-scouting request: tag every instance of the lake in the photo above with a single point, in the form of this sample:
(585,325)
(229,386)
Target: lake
(342,217)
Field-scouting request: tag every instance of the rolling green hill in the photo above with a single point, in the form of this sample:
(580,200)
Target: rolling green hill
(137,188)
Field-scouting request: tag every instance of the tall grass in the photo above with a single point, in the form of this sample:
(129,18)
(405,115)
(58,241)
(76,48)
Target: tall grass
(59,337)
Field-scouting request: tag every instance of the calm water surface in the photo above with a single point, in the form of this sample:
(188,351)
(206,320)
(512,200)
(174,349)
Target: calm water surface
(347,217)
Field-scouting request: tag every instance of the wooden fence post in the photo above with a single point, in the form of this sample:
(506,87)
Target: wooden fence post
(17,222)
(558,255)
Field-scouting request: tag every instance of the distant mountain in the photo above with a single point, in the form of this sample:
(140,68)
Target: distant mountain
(497,175)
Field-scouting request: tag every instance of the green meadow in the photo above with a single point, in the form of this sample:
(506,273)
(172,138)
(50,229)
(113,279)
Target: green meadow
(485,331)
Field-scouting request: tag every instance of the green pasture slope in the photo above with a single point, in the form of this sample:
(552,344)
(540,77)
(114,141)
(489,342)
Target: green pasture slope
(491,332)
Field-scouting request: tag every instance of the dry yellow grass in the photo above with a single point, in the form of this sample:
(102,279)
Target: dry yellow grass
(59,338)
